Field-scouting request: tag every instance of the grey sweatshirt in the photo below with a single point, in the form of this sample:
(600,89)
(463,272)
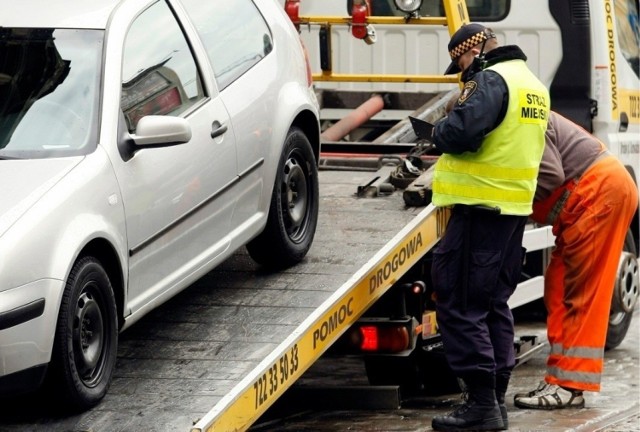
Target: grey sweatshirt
(569,150)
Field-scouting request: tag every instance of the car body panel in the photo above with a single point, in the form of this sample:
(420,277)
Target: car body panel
(39,177)
(91,186)
(32,339)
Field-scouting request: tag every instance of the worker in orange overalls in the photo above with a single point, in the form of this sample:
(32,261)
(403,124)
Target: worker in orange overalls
(589,198)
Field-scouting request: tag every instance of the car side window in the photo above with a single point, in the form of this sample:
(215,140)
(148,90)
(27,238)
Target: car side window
(159,72)
(234,33)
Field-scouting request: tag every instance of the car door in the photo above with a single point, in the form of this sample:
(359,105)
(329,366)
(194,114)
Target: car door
(238,42)
(177,211)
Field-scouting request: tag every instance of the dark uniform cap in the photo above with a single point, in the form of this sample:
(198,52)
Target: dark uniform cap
(465,38)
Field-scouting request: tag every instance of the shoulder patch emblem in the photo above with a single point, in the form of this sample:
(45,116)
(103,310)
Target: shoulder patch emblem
(468,89)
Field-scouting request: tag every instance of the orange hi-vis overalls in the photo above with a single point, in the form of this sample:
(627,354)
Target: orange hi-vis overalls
(590,228)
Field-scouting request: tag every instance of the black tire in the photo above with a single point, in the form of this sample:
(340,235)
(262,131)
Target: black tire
(625,294)
(85,346)
(293,213)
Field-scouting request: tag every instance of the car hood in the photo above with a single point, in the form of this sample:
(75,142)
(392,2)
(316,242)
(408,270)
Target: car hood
(24,182)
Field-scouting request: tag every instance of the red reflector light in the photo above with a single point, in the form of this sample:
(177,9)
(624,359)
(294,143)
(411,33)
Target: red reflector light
(384,338)
(369,338)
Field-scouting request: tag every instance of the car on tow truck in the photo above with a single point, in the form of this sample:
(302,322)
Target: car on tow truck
(142,142)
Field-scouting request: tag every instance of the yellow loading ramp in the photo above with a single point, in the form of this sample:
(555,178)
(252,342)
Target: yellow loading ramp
(252,396)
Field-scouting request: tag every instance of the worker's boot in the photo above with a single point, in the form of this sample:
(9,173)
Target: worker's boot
(502,382)
(479,413)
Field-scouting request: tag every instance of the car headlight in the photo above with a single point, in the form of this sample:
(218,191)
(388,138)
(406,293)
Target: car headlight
(408,5)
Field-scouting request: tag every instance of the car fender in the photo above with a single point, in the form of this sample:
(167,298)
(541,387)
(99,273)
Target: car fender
(50,238)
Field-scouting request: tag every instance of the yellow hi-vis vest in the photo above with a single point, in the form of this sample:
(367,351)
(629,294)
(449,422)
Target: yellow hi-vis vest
(503,172)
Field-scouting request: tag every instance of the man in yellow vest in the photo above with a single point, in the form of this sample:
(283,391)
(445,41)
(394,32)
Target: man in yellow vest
(492,142)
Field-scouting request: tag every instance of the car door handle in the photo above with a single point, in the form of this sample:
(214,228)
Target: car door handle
(217,129)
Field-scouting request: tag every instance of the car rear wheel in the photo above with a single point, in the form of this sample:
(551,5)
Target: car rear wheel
(625,294)
(293,213)
(84,352)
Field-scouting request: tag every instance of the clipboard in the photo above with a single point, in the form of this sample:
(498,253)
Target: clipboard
(422,128)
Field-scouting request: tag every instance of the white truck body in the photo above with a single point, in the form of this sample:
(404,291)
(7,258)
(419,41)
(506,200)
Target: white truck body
(582,50)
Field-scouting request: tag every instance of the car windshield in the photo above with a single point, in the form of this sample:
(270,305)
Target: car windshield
(49,91)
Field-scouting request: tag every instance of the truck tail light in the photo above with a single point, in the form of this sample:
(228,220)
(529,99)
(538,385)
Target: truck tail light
(381,335)
(393,338)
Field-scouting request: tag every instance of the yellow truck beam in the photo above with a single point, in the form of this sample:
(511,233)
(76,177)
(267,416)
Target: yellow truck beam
(319,19)
(250,398)
(456,14)
(338,77)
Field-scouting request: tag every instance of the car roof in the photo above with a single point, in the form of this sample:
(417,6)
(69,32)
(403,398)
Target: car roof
(92,14)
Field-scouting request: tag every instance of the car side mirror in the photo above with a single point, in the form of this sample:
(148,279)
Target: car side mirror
(161,131)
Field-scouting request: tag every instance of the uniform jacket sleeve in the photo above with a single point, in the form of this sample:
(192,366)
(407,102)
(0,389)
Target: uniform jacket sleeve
(474,115)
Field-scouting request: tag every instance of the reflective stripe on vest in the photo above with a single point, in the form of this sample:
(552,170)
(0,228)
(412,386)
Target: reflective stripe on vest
(503,171)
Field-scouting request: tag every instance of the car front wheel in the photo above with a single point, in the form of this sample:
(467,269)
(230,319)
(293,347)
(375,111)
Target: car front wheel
(85,347)
(293,213)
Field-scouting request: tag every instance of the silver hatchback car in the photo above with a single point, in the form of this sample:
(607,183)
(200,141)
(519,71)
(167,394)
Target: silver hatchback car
(142,142)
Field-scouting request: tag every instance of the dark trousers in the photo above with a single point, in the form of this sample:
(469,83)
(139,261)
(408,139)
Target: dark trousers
(473,282)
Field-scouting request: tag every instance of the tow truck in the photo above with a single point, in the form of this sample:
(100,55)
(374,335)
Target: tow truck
(385,311)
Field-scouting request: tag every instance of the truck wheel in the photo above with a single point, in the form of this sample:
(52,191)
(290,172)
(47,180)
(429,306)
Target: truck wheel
(293,213)
(625,294)
(85,346)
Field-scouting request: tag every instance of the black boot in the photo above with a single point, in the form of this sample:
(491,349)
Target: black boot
(479,413)
(502,382)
